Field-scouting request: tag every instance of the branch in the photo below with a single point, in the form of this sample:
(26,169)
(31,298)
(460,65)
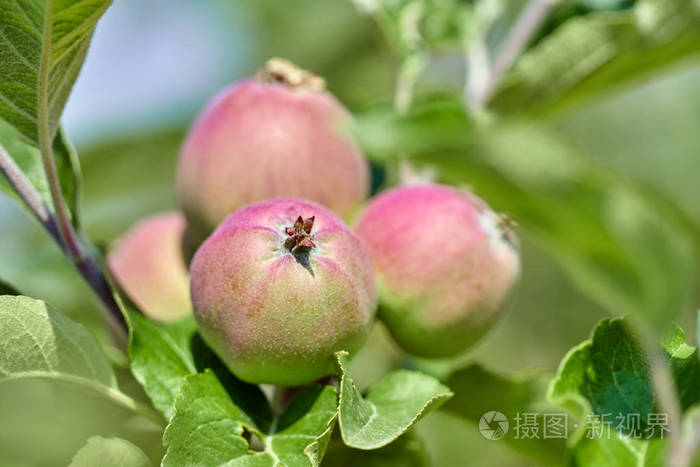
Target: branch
(527,25)
(28,194)
(87,267)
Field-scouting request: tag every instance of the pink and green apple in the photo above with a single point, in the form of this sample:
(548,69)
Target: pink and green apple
(279,287)
(277,134)
(148,264)
(445,265)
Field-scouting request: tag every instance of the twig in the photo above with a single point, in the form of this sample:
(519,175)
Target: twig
(87,267)
(528,23)
(28,194)
(408,74)
(477,70)
(412,59)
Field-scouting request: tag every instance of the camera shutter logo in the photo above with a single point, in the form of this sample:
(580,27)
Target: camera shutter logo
(493,425)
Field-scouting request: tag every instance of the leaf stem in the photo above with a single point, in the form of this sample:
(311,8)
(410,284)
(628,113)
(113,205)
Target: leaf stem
(277,403)
(65,228)
(87,267)
(67,236)
(277,406)
(527,25)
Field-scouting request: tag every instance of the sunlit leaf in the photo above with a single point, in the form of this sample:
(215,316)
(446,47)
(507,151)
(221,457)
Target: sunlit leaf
(390,407)
(208,428)
(42,38)
(161,356)
(608,375)
(38,342)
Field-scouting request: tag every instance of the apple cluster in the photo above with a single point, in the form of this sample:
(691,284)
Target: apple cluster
(261,253)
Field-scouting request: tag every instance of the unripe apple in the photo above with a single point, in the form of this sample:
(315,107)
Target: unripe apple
(148,264)
(278,134)
(279,287)
(445,265)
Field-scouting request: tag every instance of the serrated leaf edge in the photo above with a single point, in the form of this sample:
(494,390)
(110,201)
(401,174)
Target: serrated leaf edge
(431,404)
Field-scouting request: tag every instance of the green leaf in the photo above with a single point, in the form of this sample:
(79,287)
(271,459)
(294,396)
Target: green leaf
(390,408)
(38,342)
(600,52)
(109,452)
(610,236)
(407,451)
(208,428)
(684,366)
(161,357)
(44,44)
(52,371)
(608,374)
(621,450)
(479,391)
(618,450)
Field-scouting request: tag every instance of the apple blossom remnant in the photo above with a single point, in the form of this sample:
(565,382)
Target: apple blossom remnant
(300,235)
(277,134)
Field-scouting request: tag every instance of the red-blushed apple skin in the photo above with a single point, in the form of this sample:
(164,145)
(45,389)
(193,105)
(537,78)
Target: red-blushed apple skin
(269,318)
(257,141)
(148,264)
(444,266)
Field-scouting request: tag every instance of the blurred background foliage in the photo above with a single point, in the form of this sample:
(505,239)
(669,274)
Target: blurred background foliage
(595,157)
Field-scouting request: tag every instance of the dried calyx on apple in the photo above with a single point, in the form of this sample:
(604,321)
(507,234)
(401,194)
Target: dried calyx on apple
(279,287)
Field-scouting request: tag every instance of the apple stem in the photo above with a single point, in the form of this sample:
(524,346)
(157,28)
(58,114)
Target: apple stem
(281,71)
